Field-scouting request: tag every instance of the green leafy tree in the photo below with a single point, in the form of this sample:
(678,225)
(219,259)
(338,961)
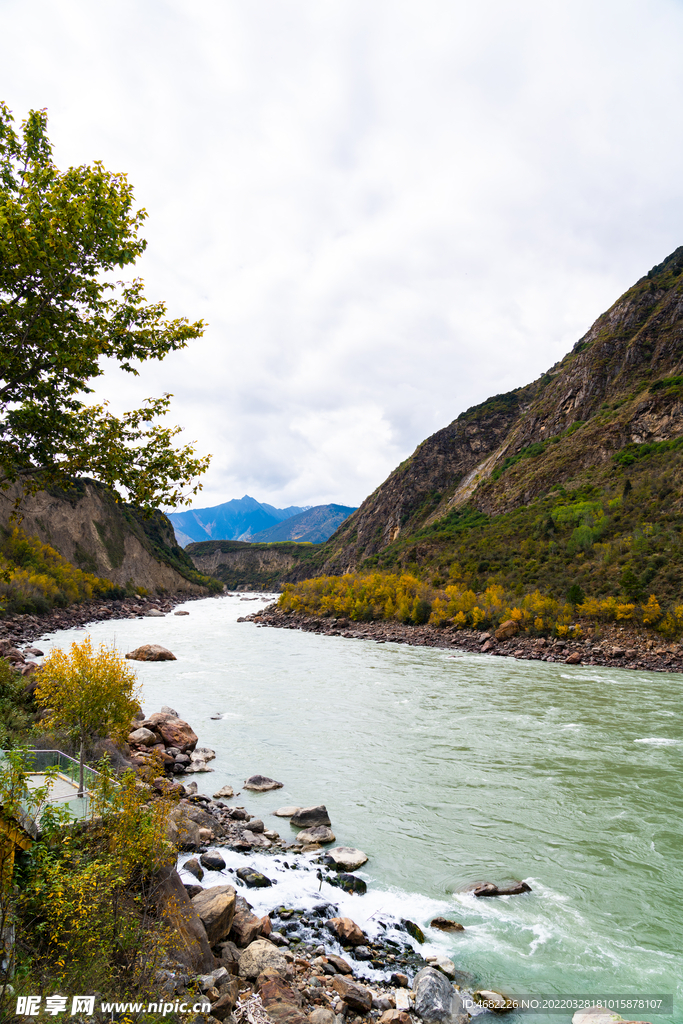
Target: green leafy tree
(63,237)
(88,694)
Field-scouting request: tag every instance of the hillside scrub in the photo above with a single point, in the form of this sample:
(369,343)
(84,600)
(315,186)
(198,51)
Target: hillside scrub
(408,599)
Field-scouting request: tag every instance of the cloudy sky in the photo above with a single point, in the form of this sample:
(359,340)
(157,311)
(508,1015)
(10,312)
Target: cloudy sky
(386,211)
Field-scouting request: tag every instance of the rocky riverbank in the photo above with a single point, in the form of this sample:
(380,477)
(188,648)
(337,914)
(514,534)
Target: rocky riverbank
(614,644)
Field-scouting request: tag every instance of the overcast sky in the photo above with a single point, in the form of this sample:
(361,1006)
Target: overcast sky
(386,211)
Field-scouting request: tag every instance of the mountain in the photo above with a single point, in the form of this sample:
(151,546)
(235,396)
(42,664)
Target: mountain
(574,478)
(314,525)
(238,519)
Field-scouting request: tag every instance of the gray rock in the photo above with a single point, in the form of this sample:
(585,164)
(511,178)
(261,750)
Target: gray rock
(193,866)
(258,957)
(436,999)
(307,817)
(346,858)
(321,1016)
(256,825)
(286,812)
(224,792)
(169,711)
(143,737)
(254,879)
(212,861)
(319,834)
(154,613)
(261,783)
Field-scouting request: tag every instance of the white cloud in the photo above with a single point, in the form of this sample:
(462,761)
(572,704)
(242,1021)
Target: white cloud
(385,211)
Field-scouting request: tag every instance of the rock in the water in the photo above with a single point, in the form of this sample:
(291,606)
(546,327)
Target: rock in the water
(306,817)
(212,861)
(490,1000)
(151,652)
(254,879)
(174,731)
(573,659)
(348,882)
(165,710)
(259,956)
(354,995)
(318,834)
(599,1015)
(443,964)
(345,858)
(154,613)
(444,925)
(225,792)
(216,910)
(491,889)
(261,783)
(347,931)
(413,929)
(436,999)
(181,611)
(192,865)
(363,953)
(286,812)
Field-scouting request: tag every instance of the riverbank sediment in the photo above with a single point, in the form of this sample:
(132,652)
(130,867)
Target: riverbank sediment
(615,645)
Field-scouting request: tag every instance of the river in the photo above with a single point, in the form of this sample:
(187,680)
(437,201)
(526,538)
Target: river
(447,769)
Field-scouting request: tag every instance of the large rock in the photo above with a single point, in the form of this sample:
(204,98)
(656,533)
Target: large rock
(319,834)
(345,858)
(253,879)
(245,926)
(216,909)
(192,865)
(354,995)
(212,861)
(347,931)
(282,1003)
(507,630)
(261,783)
(258,957)
(190,943)
(143,738)
(444,924)
(151,652)
(176,733)
(306,817)
(491,889)
(225,792)
(286,812)
(436,999)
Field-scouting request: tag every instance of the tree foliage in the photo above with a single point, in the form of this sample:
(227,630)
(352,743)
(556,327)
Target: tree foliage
(88,693)
(63,237)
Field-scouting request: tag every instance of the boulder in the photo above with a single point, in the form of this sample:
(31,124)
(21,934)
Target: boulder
(318,834)
(321,1016)
(356,996)
(413,929)
(436,999)
(306,817)
(258,957)
(177,733)
(281,1002)
(190,943)
(491,889)
(573,659)
(443,964)
(261,783)
(286,812)
(181,830)
(253,879)
(245,926)
(346,930)
(216,909)
(192,865)
(212,861)
(154,613)
(345,858)
(493,1001)
(142,738)
(340,965)
(445,925)
(507,630)
(225,792)
(151,652)
(348,882)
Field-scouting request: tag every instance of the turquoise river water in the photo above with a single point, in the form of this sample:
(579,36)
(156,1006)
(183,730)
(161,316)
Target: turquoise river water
(447,769)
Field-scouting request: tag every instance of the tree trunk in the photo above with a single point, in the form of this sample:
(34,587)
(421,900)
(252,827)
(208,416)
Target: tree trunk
(81,792)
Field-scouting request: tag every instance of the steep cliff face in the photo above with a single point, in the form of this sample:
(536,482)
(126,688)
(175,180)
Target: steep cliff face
(243,566)
(618,386)
(95,533)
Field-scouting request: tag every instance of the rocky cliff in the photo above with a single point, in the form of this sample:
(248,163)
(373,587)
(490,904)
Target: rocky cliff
(243,566)
(621,385)
(97,533)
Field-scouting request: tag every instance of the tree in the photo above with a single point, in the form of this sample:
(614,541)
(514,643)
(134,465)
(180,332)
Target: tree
(87,693)
(63,234)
